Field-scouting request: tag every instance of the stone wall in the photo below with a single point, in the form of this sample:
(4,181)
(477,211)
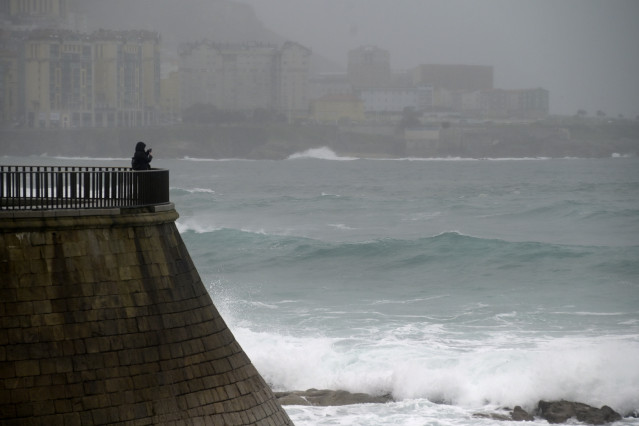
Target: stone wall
(105,320)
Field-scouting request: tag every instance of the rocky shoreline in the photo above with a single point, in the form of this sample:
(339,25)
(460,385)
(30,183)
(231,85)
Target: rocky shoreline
(552,411)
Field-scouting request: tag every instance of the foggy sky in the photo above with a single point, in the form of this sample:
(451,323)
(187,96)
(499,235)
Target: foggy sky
(585,52)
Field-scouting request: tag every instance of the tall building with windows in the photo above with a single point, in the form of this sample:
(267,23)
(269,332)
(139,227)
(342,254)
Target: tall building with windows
(9,82)
(396,100)
(293,91)
(502,103)
(369,67)
(127,77)
(39,13)
(58,73)
(107,78)
(245,76)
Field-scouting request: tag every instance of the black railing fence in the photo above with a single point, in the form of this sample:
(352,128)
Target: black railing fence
(47,187)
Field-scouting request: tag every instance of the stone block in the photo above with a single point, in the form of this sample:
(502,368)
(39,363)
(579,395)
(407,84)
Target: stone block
(27,368)
(63,406)
(73,249)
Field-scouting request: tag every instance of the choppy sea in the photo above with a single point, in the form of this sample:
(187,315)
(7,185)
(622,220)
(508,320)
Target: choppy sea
(458,286)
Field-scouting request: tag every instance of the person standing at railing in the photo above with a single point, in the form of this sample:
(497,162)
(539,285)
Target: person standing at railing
(142,158)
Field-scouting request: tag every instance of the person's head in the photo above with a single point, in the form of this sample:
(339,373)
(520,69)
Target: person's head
(140,146)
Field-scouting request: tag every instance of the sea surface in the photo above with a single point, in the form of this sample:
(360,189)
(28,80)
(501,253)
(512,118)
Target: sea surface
(458,286)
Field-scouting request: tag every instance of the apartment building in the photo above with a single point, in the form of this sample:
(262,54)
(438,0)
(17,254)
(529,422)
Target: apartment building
(292,77)
(245,76)
(127,78)
(502,103)
(29,12)
(369,67)
(395,100)
(9,84)
(106,78)
(58,76)
(335,108)
(453,77)
(329,84)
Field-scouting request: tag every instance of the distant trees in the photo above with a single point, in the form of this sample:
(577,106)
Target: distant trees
(601,114)
(582,113)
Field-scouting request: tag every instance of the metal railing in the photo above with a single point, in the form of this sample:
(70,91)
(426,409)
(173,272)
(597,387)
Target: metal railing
(52,187)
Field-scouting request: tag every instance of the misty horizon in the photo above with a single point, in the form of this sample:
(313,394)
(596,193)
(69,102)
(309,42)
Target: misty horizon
(583,52)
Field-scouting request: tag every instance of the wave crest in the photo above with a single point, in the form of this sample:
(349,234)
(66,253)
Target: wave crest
(323,153)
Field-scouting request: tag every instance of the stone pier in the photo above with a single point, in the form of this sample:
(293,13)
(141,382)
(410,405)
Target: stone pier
(105,320)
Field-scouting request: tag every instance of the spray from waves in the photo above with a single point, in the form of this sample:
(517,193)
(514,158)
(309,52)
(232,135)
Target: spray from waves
(323,153)
(192,190)
(599,372)
(196,225)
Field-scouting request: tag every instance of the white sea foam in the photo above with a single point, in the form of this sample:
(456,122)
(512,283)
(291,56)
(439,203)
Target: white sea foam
(196,225)
(194,190)
(596,372)
(340,226)
(323,153)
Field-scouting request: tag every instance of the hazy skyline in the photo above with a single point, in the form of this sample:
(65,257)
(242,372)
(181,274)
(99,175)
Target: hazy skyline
(585,52)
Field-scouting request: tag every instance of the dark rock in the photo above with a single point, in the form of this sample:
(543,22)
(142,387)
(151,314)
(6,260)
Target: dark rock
(560,411)
(492,416)
(327,397)
(520,415)
(292,399)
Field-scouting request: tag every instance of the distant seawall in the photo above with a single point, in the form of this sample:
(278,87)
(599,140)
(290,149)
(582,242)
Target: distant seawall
(105,320)
(278,141)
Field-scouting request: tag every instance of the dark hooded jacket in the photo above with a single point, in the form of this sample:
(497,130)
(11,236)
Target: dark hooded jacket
(141,159)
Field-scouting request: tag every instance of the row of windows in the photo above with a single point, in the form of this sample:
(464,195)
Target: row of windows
(37,7)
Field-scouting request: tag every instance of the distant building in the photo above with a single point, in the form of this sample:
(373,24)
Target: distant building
(106,78)
(127,83)
(369,66)
(502,103)
(395,100)
(534,103)
(245,76)
(31,14)
(337,107)
(9,87)
(293,66)
(454,77)
(170,109)
(329,84)
(58,73)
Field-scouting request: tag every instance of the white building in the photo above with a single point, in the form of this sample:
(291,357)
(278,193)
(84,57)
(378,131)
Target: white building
(245,76)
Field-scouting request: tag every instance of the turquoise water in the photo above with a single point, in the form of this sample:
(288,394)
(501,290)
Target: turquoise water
(459,286)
